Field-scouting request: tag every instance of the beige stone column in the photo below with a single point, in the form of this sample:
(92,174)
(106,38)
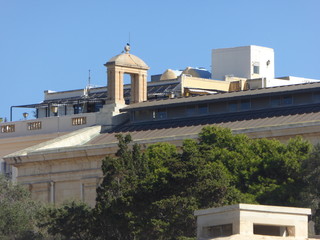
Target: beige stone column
(111,85)
(82,192)
(138,88)
(52,200)
(144,87)
(142,96)
(119,88)
(115,86)
(134,88)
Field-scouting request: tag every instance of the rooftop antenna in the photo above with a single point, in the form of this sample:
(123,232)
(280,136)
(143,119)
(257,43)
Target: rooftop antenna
(89,78)
(87,88)
(129,39)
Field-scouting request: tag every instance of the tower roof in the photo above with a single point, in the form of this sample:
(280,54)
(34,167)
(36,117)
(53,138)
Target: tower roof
(127,60)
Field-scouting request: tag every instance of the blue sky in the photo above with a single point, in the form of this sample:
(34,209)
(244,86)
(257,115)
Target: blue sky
(51,45)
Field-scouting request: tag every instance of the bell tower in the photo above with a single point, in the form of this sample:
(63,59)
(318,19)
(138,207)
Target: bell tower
(119,65)
(124,63)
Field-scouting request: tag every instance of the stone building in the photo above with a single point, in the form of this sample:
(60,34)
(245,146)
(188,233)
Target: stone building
(58,155)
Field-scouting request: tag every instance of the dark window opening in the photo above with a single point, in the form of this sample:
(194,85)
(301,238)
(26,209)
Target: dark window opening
(286,100)
(94,107)
(161,114)
(218,231)
(245,104)
(275,101)
(98,106)
(272,230)
(281,100)
(191,110)
(77,109)
(232,106)
(316,96)
(203,108)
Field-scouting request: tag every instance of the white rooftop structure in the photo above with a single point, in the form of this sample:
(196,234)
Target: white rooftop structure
(244,62)
(248,221)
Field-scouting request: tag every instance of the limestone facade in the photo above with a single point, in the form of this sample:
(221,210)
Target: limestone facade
(66,168)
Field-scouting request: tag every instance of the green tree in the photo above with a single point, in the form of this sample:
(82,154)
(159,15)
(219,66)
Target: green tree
(280,174)
(267,171)
(114,196)
(70,221)
(153,194)
(17,212)
(310,194)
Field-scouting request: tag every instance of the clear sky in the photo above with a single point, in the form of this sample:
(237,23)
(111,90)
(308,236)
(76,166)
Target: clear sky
(51,45)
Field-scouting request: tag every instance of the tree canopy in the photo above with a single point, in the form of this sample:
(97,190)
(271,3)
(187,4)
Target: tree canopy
(152,194)
(17,212)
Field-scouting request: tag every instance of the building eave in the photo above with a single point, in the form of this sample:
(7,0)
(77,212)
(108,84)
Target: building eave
(307,87)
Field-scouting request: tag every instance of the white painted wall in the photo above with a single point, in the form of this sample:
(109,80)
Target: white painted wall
(265,58)
(288,81)
(230,61)
(239,61)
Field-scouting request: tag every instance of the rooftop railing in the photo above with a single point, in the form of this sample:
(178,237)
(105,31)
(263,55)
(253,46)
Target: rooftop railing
(46,125)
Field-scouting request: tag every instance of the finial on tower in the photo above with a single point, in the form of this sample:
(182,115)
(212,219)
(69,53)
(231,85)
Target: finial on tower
(127,48)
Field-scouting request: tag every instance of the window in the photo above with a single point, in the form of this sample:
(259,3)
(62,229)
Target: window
(161,114)
(191,110)
(98,106)
(245,104)
(203,109)
(218,231)
(286,100)
(232,106)
(77,109)
(281,100)
(91,107)
(316,96)
(273,230)
(94,106)
(275,101)
(256,68)
(142,115)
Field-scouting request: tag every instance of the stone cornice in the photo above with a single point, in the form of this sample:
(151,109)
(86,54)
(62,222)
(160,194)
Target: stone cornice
(101,150)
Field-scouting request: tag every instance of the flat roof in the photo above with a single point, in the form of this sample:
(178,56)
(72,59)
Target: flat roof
(254,208)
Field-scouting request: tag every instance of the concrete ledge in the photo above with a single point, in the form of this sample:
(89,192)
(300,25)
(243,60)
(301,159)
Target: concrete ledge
(255,208)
